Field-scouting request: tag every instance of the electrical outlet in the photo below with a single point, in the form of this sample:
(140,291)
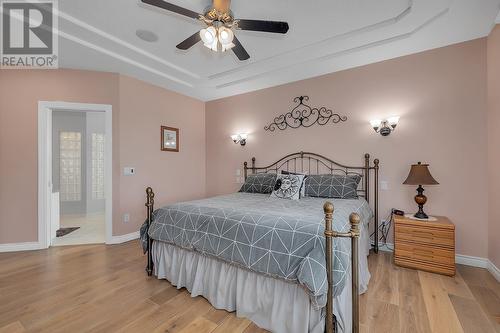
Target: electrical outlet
(238,172)
(126,218)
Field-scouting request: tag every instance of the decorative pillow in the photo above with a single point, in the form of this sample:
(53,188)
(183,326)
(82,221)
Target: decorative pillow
(332,186)
(288,186)
(303,188)
(259,183)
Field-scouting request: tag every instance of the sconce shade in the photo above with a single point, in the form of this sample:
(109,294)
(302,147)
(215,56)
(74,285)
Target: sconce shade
(420,175)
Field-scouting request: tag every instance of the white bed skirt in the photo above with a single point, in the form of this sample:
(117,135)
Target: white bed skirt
(270,303)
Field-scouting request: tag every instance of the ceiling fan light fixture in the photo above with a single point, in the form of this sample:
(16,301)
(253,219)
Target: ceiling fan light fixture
(208,35)
(226,35)
(227,47)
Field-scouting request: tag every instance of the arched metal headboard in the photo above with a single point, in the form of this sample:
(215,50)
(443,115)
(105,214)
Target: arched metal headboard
(315,164)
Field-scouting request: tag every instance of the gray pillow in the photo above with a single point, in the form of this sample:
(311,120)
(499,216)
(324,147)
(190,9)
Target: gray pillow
(332,186)
(259,183)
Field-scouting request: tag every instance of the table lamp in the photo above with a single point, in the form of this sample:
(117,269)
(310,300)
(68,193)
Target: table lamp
(420,175)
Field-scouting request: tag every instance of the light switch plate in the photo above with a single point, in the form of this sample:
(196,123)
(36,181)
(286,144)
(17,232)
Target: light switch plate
(126,217)
(128,171)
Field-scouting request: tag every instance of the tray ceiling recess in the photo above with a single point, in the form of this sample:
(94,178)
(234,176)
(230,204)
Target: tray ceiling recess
(324,36)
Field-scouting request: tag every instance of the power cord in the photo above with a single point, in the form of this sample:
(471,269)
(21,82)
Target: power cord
(384,231)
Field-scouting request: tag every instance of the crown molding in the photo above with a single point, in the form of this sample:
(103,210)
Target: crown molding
(329,56)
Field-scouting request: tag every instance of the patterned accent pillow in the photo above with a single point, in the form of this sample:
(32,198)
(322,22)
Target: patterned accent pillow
(259,183)
(332,186)
(288,187)
(303,188)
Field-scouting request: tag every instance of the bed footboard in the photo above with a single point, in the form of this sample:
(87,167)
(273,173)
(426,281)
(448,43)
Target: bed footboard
(329,235)
(150,195)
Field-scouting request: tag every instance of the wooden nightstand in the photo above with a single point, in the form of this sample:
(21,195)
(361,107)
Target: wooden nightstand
(425,245)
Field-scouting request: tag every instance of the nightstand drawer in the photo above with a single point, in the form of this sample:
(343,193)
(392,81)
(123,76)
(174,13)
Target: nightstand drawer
(425,253)
(431,236)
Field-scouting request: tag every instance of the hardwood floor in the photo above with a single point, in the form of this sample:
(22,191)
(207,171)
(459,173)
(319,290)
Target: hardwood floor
(102,288)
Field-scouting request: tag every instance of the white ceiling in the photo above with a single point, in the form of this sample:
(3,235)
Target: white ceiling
(325,36)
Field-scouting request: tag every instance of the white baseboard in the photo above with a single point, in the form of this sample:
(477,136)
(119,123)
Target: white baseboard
(471,261)
(493,270)
(14,247)
(124,238)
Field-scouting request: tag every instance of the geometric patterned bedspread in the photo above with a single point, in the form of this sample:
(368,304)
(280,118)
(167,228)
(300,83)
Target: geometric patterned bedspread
(271,236)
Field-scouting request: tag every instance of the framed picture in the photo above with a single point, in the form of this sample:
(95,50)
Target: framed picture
(169,139)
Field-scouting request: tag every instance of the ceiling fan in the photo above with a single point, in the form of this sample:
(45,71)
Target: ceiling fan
(220,26)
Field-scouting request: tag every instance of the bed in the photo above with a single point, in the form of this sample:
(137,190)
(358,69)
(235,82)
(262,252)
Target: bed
(289,266)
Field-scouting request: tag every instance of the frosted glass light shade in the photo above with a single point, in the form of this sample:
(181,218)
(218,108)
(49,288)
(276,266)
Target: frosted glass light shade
(208,35)
(393,121)
(375,123)
(226,37)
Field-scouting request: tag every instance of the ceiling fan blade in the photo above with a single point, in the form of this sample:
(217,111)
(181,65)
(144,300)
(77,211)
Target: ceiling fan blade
(189,42)
(171,7)
(239,50)
(264,26)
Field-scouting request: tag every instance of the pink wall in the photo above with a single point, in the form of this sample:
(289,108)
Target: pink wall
(173,176)
(136,142)
(441,98)
(494,144)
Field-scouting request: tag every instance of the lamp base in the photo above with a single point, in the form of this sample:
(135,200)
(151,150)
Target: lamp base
(420,199)
(421,215)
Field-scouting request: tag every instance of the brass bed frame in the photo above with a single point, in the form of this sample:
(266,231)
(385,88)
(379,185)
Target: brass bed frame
(311,163)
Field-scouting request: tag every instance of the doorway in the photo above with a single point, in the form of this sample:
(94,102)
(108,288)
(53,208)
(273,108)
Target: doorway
(74,173)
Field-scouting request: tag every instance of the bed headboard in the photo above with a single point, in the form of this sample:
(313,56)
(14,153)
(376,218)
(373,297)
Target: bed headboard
(315,164)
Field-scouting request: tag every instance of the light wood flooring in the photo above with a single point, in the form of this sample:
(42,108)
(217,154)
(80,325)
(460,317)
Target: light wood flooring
(102,288)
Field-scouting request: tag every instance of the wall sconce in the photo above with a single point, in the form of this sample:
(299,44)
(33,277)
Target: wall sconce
(385,127)
(240,138)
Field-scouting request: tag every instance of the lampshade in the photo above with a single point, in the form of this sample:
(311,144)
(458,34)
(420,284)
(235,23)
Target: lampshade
(420,175)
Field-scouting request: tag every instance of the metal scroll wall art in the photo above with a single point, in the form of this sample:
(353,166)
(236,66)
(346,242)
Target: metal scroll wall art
(303,115)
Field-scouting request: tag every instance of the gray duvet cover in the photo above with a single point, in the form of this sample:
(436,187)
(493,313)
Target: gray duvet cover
(275,237)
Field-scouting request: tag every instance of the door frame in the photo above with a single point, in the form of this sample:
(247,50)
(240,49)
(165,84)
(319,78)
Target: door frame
(45,109)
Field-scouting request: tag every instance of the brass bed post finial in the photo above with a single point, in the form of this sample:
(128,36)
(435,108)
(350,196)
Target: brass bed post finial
(376,163)
(253,165)
(245,169)
(150,195)
(328,210)
(354,219)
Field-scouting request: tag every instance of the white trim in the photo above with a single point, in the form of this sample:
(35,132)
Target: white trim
(14,247)
(124,238)
(45,164)
(493,270)
(471,261)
